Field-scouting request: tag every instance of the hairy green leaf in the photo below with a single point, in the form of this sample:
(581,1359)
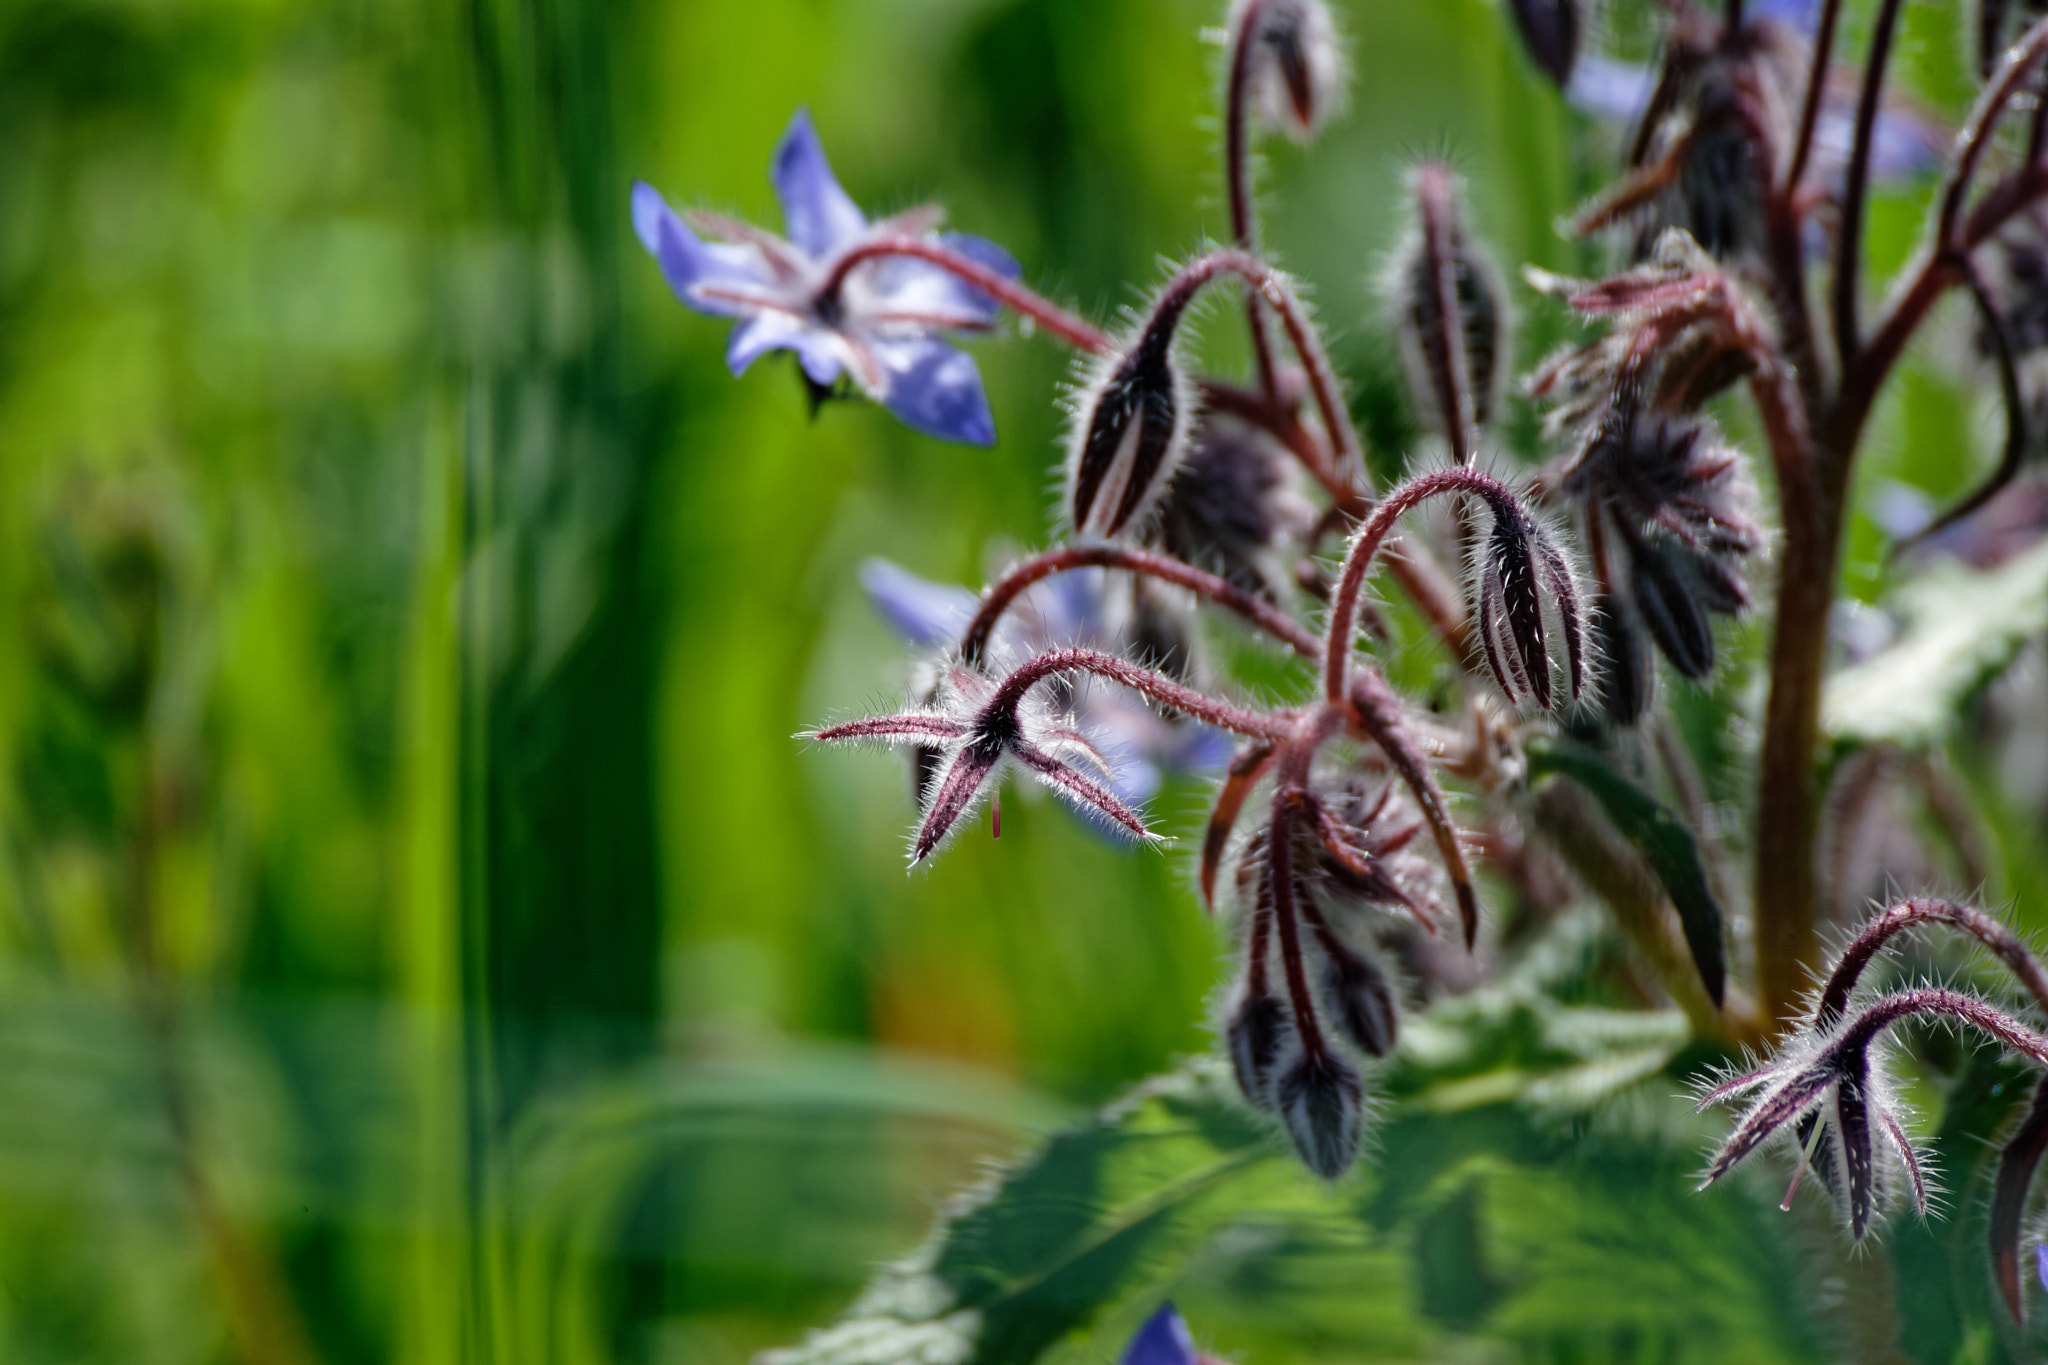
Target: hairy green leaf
(1666,845)
(1962,628)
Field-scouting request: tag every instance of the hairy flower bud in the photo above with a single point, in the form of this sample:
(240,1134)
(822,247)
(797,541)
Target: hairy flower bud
(1362,1000)
(1322,1102)
(1234,504)
(1450,309)
(1293,68)
(1550,30)
(1130,430)
(1528,603)
(1260,1035)
(1670,609)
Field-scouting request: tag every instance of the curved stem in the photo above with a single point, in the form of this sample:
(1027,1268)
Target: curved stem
(1966,1009)
(1975,138)
(1237,176)
(2005,944)
(1849,250)
(1000,597)
(2016,432)
(1073,330)
(1157,686)
(1344,605)
(1271,285)
(1449,366)
(1816,83)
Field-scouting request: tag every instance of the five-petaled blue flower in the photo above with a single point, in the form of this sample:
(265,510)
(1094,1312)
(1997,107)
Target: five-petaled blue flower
(875,322)
(1163,1340)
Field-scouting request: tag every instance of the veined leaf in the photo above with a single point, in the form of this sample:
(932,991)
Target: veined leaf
(1961,628)
(1041,1248)
(1666,845)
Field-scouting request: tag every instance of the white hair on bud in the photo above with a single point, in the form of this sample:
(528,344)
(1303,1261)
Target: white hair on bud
(1295,68)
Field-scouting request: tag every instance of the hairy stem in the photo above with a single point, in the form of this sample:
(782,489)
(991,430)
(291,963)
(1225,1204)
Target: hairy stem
(1873,937)
(1000,597)
(1856,189)
(1366,545)
(1157,686)
(1073,330)
(1237,175)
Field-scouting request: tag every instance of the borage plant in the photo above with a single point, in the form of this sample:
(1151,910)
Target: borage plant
(1737,236)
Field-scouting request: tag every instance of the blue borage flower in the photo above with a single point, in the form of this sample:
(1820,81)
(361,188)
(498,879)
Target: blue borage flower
(1134,740)
(1163,1340)
(875,323)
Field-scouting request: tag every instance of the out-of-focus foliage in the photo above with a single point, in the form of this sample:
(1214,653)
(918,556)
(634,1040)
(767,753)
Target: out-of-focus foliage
(420,940)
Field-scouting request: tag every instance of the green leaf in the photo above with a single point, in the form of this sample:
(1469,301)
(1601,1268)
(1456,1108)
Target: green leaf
(1962,628)
(1043,1247)
(1665,843)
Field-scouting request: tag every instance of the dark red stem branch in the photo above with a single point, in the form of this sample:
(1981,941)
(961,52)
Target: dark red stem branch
(1073,330)
(1157,686)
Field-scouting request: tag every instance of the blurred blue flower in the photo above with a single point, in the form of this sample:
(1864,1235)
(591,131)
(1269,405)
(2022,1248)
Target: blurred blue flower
(876,325)
(1163,1340)
(1135,741)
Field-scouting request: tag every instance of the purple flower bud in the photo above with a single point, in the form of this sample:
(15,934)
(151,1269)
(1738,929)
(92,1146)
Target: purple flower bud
(1362,1000)
(1528,602)
(1234,504)
(1322,1102)
(1295,70)
(1260,1035)
(1450,309)
(1131,430)
(1163,1340)
(1550,30)
(1673,614)
(1625,673)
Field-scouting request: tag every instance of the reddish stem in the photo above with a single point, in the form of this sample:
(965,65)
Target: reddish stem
(1344,606)
(1816,83)
(1849,250)
(1872,938)
(1075,331)
(1237,175)
(1157,686)
(1000,597)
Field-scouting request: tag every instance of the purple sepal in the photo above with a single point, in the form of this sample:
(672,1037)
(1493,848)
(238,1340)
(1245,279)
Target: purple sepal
(1163,1340)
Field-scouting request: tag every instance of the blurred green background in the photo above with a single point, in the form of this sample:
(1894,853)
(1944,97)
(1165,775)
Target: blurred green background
(420,938)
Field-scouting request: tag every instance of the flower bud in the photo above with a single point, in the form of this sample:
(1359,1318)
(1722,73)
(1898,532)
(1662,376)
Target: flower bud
(1131,431)
(1294,71)
(1670,608)
(1529,601)
(1550,30)
(1234,504)
(1322,1103)
(1362,1001)
(1450,309)
(1624,668)
(1260,1035)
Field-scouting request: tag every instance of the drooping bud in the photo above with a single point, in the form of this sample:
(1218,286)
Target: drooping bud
(1670,609)
(1131,428)
(1293,68)
(1322,1102)
(1528,603)
(1450,312)
(1260,1035)
(1550,30)
(1362,1000)
(1625,673)
(1234,504)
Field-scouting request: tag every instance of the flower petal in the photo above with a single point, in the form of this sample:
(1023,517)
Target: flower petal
(1609,89)
(924,613)
(935,389)
(817,215)
(1163,1340)
(906,285)
(687,262)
